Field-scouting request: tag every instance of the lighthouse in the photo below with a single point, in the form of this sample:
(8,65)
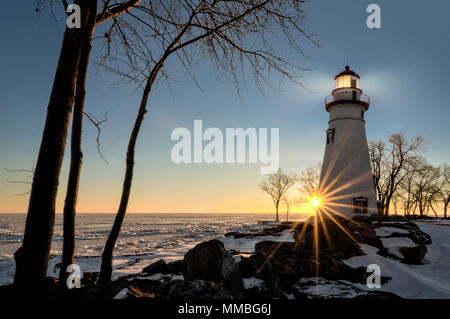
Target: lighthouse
(346,183)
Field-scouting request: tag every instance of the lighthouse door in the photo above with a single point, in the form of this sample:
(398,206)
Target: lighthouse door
(360,205)
(354,95)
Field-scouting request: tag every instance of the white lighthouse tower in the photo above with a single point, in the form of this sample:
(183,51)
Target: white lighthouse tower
(346,184)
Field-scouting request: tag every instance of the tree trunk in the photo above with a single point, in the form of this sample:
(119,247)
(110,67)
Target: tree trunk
(276,208)
(107,255)
(386,207)
(33,256)
(76,155)
(445,210)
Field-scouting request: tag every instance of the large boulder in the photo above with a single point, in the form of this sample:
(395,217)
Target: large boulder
(175,267)
(157,267)
(413,255)
(337,237)
(161,267)
(403,240)
(407,229)
(288,264)
(210,261)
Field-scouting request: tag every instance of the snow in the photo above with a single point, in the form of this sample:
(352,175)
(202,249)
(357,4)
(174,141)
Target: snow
(247,245)
(122,294)
(324,288)
(388,231)
(252,282)
(289,296)
(430,280)
(444,222)
(394,244)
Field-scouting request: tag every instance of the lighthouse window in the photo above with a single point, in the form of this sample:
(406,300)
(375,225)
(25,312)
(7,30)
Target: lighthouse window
(330,136)
(353,84)
(360,205)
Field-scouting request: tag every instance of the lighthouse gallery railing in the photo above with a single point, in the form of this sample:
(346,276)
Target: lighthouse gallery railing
(331,99)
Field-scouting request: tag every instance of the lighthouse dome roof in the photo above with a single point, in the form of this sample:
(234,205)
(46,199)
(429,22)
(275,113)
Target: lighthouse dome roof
(347,71)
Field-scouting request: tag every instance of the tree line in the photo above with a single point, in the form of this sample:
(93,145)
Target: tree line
(404,179)
(138,39)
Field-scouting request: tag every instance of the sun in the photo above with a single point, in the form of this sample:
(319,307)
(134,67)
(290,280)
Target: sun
(315,202)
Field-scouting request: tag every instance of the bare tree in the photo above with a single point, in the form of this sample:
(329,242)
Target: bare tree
(444,187)
(425,188)
(287,204)
(276,185)
(405,192)
(390,164)
(309,183)
(377,154)
(76,155)
(232,34)
(33,256)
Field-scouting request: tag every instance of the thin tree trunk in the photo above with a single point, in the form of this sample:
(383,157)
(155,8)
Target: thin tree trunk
(33,256)
(386,207)
(276,207)
(445,210)
(76,155)
(107,255)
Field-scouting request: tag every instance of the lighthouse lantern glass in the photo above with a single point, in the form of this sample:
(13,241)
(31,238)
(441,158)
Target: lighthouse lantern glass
(347,81)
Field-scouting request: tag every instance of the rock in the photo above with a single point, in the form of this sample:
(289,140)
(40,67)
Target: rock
(264,270)
(289,264)
(147,286)
(413,255)
(157,267)
(365,234)
(247,267)
(282,257)
(274,230)
(174,267)
(368,220)
(161,267)
(416,240)
(263,291)
(135,292)
(320,288)
(414,232)
(336,237)
(89,278)
(210,261)
(192,290)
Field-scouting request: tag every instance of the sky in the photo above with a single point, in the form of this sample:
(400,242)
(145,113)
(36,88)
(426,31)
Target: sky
(403,66)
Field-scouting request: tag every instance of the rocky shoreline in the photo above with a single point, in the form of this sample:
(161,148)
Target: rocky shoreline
(285,269)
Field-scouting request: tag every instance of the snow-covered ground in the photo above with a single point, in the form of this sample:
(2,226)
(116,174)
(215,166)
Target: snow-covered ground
(430,280)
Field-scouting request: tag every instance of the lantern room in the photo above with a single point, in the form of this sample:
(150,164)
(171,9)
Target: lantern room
(347,91)
(347,79)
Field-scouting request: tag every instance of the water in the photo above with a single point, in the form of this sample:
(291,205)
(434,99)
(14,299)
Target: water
(157,235)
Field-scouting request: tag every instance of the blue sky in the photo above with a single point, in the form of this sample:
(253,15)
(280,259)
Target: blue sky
(403,66)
